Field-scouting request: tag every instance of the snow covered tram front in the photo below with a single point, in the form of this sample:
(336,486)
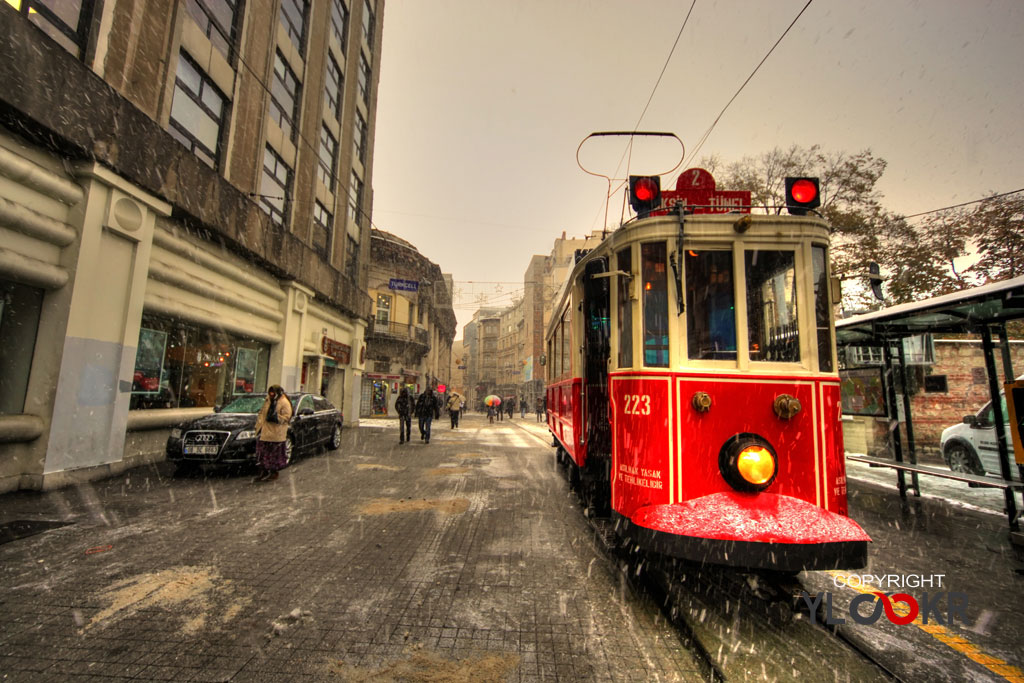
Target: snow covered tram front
(708,410)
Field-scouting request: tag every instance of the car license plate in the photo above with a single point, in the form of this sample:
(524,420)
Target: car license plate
(201,450)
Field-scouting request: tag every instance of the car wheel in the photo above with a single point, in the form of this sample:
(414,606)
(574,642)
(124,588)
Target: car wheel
(961,458)
(289,451)
(335,438)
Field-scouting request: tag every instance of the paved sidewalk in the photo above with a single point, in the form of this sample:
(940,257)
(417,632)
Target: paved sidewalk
(465,559)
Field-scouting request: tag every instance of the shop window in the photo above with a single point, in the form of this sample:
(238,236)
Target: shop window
(655,303)
(20,306)
(773,332)
(181,366)
(710,306)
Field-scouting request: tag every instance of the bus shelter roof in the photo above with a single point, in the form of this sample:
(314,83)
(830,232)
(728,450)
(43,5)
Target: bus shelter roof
(963,311)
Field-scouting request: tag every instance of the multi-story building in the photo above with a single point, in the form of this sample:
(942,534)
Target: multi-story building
(409,341)
(184,216)
(480,337)
(521,327)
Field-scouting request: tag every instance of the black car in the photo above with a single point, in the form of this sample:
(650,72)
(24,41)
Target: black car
(228,436)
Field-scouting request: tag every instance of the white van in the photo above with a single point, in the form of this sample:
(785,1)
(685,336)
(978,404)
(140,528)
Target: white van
(971,445)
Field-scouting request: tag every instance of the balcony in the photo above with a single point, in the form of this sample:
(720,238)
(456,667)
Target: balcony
(397,340)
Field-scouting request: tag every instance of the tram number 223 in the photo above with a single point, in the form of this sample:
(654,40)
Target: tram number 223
(638,404)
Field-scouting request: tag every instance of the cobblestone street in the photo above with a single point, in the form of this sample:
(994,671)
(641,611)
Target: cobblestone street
(464,559)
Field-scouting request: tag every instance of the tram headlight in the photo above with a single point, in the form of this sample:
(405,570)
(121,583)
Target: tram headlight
(748,463)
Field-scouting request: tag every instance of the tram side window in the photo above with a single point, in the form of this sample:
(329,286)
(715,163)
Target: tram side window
(566,336)
(655,302)
(772,327)
(822,304)
(710,306)
(625,264)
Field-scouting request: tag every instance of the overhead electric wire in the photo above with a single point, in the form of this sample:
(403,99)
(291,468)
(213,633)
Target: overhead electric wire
(629,146)
(957,206)
(707,133)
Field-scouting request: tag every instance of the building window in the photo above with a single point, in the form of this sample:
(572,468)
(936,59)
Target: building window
(333,88)
(20,308)
(197,112)
(359,138)
(216,18)
(328,157)
(322,221)
(284,96)
(179,365)
(66,22)
(293,18)
(275,186)
(355,198)
(339,23)
(351,257)
(364,79)
(368,24)
(383,308)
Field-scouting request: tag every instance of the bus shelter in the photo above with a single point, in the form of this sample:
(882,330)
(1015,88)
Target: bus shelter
(983,311)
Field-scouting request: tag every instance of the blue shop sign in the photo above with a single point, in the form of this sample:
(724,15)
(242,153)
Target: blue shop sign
(404,285)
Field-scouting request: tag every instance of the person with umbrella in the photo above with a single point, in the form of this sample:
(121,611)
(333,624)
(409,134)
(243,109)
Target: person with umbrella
(492,402)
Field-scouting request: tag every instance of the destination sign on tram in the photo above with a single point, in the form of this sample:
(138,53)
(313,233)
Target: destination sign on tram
(695,190)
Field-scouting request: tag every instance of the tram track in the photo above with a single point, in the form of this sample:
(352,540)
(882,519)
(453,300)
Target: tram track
(740,625)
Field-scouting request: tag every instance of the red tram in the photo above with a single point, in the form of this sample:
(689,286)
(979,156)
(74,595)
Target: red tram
(692,384)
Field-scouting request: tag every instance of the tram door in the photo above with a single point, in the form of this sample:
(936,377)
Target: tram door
(596,350)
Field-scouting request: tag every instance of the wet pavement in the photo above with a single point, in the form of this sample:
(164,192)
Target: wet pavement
(951,543)
(462,559)
(465,559)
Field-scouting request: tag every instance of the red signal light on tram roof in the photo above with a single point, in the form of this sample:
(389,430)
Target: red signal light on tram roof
(644,194)
(802,195)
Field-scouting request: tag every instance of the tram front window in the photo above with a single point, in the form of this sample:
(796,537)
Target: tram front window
(772,327)
(655,301)
(710,306)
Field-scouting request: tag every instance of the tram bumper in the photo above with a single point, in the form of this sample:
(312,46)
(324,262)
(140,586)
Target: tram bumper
(760,530)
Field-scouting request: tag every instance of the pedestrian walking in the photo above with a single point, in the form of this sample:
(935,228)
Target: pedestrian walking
(426,410)
(272,428)
(490,414)
(403,406)
(454,408)
(540,409)
(522,408)
(511,406)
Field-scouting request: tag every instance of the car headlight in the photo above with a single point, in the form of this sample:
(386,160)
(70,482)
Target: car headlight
(246,434)
(176,433)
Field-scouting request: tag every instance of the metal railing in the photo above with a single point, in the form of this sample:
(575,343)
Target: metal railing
(400,330)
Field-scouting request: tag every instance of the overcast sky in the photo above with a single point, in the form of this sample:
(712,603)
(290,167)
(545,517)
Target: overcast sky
(483,104)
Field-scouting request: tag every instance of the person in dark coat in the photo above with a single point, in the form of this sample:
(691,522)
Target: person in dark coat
(510,407)
(426,410)
(272,428)
(404,406)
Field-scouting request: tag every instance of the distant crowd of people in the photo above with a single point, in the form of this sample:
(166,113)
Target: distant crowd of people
(428,405)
